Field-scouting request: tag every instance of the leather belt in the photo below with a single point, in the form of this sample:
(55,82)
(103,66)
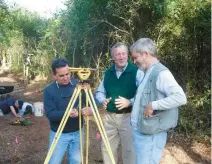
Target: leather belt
(125,110)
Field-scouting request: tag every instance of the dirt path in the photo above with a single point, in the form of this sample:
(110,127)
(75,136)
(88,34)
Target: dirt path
(33,141)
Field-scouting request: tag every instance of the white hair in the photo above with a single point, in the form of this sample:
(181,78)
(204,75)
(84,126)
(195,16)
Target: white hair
(144,45)
(119,44)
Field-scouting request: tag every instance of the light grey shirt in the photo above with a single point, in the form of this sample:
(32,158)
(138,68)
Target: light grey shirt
(170,94)
(23,109)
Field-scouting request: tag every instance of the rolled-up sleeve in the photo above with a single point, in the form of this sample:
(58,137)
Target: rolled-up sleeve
(101,93)
(139,78)
(174,94)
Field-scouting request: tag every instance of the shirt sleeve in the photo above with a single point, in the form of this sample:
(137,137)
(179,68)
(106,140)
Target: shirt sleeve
(174,94)
(50,107)
(10,102)
(101,93)
(20,112)
(139,78)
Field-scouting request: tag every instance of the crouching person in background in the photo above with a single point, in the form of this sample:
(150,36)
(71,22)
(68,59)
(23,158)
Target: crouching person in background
(11,105)
(27,109)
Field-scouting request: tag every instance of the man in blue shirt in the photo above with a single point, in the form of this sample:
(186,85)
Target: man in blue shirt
(56,99)
(11,105)
(116,94)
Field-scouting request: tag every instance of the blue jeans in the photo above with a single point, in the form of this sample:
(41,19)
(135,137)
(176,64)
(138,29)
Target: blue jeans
(149,148)
(70,141)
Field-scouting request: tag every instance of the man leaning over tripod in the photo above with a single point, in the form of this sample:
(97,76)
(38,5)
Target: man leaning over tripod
(56,99)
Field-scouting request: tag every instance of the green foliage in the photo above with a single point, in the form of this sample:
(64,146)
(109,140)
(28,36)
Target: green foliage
(180,28)
(87,29)
(22,33)
(195,118)
(5,24)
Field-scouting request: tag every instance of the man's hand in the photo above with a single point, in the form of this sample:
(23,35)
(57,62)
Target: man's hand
(18,115)
(122,103)
(106,102)
(14,112)
(87,111)
(74,113)
(148,111)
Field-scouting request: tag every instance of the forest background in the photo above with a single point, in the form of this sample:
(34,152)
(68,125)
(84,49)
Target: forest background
(86,30)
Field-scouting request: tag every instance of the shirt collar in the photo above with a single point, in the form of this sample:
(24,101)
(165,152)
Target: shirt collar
(116,69)
(59,84)
(151,66)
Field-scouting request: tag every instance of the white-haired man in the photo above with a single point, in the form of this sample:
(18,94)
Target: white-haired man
(155,109)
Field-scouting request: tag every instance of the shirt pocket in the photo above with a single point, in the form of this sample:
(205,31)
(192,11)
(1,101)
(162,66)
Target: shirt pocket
(150,124)
(146,95)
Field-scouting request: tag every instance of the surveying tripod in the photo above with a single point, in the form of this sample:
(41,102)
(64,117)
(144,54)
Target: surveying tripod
(83,74)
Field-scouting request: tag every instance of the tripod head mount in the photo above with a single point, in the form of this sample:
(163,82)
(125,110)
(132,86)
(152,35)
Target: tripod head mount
(82,73)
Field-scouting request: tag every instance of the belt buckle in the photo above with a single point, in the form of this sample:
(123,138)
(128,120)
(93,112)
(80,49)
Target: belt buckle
(121,111)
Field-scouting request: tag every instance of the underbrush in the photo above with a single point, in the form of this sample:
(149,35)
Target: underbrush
(195,117)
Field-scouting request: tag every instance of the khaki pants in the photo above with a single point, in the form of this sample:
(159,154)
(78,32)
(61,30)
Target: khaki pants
(118,129)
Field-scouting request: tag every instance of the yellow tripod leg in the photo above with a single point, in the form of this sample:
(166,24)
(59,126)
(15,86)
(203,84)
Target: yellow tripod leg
(106,142)
(80,126)
(87,131)
(62,124)
(101,128)
(100,124)
(67,112)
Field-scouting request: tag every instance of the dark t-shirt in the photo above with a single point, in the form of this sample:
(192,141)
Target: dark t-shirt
(5,105)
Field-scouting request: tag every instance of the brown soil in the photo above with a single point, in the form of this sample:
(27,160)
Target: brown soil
(32,144)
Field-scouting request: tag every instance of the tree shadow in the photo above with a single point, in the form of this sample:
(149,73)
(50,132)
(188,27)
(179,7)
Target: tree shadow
(186,146)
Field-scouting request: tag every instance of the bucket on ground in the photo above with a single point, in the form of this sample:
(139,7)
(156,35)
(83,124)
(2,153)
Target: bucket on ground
(38,108)
(1,113)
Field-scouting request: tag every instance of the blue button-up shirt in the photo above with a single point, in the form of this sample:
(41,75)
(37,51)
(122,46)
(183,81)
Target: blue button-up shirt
(101,92)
